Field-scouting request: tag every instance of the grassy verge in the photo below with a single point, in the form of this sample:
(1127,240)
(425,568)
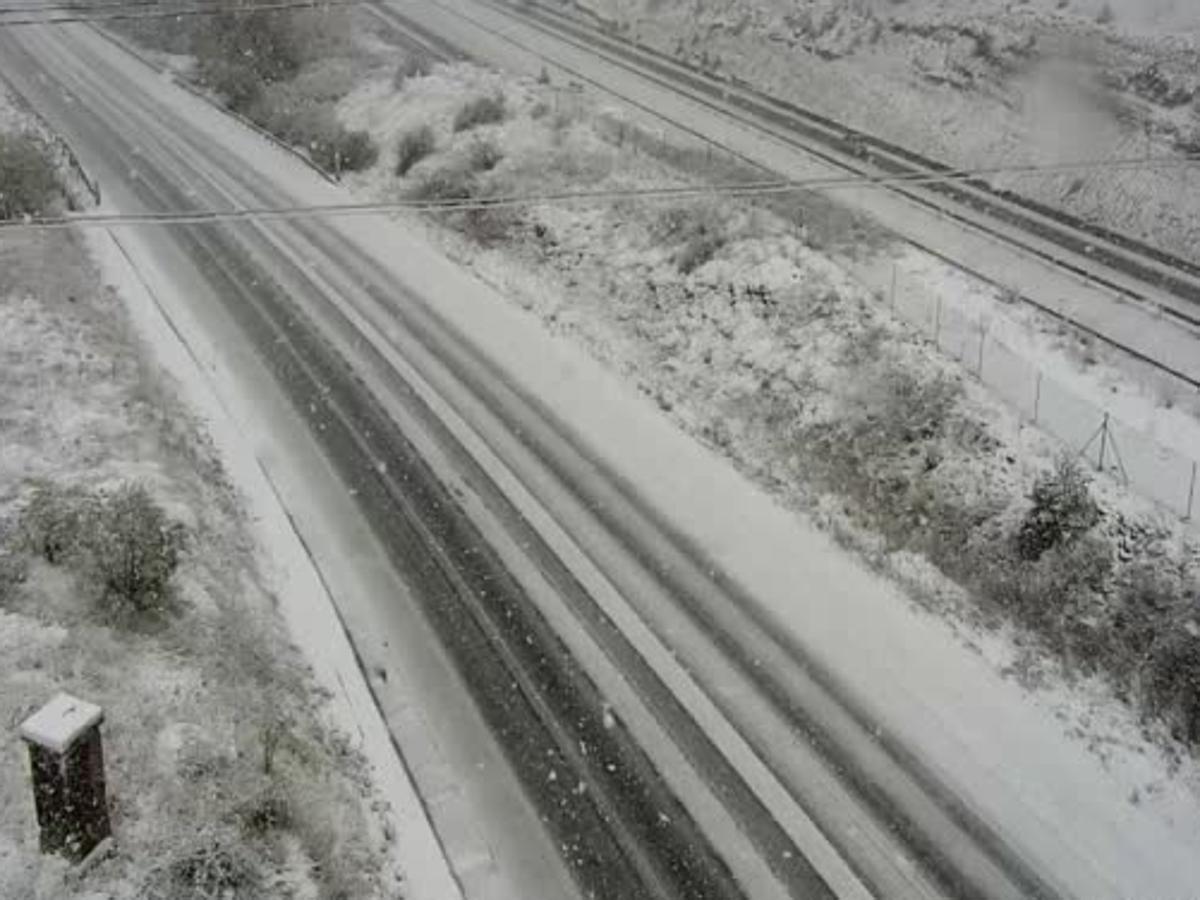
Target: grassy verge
(127,577)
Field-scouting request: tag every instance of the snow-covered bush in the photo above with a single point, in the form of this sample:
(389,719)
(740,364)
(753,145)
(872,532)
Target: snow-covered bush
(444,184)
(414,65)
(487,110)
(484,156)
(413,146)
(133,549)
(12,573)
(1172,679)
(343,150)
(52,522)
(215,866)
(1056,596)
(488,226)
(696,231)
(1062,510)
(311,123)
(28,182)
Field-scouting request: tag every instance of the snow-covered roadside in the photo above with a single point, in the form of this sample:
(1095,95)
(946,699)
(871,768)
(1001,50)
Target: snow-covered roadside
(98,390)
(404,833)
(188,695)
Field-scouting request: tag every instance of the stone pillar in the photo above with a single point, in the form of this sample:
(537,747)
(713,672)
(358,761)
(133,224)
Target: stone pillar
(68,776)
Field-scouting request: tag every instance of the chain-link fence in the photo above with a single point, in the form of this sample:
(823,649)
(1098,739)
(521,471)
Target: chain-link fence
(1158,472)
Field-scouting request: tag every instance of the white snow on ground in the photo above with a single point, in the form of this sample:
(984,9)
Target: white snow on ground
(975,83)
(82,407)
(1007,752)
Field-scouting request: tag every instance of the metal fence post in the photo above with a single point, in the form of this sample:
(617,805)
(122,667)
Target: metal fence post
(892,295)
(982,338)
(1037,397)
(937,322)
(1187,516)
(1103,441)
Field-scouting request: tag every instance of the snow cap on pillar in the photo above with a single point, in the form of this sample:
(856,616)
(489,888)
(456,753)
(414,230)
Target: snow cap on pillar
(60,723)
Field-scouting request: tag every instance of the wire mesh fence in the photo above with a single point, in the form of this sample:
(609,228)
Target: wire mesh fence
(1154,470)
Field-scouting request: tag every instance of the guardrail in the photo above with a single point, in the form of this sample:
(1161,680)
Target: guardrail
(92,185)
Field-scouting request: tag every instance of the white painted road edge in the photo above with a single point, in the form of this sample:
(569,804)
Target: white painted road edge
(304,600)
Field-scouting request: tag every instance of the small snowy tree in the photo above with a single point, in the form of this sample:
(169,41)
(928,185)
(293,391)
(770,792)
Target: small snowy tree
(133,548)
(1062,511)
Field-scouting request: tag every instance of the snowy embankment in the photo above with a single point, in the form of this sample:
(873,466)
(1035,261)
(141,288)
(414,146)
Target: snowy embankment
(747,332)
(199,691)
(977,84)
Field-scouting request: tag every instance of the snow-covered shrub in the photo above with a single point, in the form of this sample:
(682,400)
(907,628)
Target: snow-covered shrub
(215,866)
(1172,680)
(1062,510)
(1056,596)
(488,226)
(697,231)
(414,146)
(312,125)
(133,549)
(484,156)
(52,523)
(444,184)
(343,150)
(486,110)
(12,573)
(234,81)
(268,810)
(28,182)
(414,65)
(1145,598)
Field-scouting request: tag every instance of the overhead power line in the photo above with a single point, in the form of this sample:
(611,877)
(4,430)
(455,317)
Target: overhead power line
(731,189)
(127,11)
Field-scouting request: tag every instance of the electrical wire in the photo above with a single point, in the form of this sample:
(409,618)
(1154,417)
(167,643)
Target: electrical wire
(126,12)
(732,189)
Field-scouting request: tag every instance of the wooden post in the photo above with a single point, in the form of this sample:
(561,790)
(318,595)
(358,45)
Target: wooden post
(1037,397)
(893,292)
(982,338)
(937,322)
(68,776)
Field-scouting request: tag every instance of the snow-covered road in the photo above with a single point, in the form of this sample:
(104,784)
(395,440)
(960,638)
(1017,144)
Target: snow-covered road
(817,731)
